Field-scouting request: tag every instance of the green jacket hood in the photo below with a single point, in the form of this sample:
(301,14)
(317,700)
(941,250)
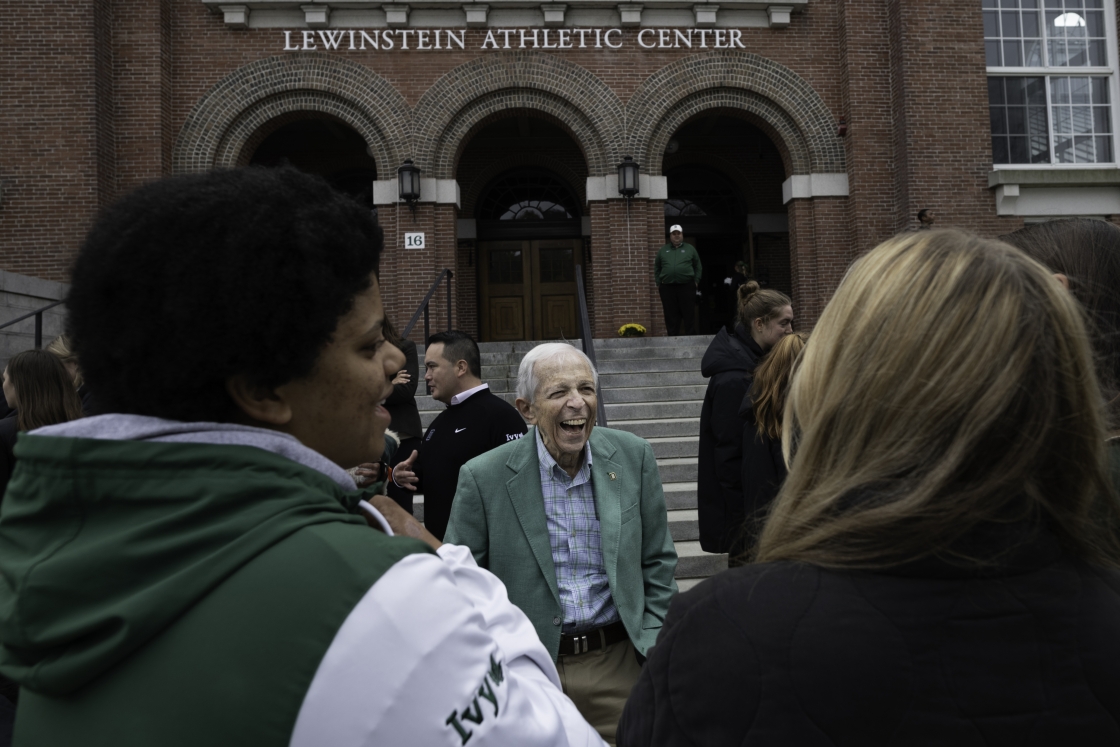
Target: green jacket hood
(74,601)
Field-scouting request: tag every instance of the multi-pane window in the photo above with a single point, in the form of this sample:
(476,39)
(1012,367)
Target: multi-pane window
(1049,81)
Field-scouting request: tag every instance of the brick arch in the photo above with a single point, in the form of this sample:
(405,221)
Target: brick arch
(237,143)
(575,182)
(224,120)
(475,90)
(781,102)
(746,186)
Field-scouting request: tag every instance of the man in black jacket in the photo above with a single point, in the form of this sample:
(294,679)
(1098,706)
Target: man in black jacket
(475,421)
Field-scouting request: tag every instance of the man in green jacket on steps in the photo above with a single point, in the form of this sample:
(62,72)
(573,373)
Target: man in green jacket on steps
(196,567)
(676,271)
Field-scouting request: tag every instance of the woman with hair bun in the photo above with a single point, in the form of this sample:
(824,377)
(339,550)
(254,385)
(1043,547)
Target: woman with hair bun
(764,317)
(942,564)
(764,467)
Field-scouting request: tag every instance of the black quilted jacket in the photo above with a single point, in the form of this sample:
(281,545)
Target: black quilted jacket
(927,654)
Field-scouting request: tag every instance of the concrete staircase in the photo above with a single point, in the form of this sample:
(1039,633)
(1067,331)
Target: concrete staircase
(653,389)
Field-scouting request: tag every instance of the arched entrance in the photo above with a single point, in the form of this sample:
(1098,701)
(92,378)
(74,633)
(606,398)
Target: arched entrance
(724,178)
(318,144)
(523,179)
(529,252)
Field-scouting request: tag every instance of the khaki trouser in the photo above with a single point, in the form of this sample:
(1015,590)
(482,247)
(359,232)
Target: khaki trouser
(599,683)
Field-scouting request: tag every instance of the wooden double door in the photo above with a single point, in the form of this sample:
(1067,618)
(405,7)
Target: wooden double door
(528,289)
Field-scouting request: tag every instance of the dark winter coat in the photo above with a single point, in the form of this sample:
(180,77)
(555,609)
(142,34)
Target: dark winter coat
(9,429)
(762,473)
(925,654)
(401,404)
(727,364)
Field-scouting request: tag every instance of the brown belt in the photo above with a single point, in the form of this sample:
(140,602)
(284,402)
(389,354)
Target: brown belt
(593,640)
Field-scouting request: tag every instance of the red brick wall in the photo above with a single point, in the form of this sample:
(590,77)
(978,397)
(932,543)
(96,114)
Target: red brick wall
(406,274)
(140,92)
(772,261)
(95,94)
(622,265)
(940,107)
(875,175)
(53,163)
(466,287)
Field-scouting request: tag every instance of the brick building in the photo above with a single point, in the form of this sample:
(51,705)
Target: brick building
(794,134)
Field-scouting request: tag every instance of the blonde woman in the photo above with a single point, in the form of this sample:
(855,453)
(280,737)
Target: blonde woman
(941,565)
(62,349)
(764,468)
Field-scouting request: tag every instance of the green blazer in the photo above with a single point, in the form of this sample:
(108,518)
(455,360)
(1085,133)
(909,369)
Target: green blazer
(498,512)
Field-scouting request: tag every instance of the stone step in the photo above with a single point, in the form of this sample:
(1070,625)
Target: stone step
(677,470)
(654,411)
(695,352)
(611,381)
(611,394)
(693,562)
(659,427)
(504,378)
(680,495)
(684,584)
(684,525)
(616,413)
(675,446)
(626,366)
(654,342)
(508,358)
(633,365)
(620,395)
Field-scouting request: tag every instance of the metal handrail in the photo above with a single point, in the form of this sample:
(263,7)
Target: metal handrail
(38,314)
(423,307)
(589,346)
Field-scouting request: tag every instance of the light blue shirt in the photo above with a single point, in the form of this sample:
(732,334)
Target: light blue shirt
(577,549)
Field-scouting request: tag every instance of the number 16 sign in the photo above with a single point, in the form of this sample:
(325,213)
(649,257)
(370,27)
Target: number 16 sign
(414,241)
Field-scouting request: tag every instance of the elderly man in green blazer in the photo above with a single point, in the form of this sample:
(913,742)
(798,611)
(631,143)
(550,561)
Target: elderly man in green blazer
(572,519)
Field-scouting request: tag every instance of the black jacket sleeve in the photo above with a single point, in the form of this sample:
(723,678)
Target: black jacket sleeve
(763,470)
(506,426)
(727,427)
(406,393)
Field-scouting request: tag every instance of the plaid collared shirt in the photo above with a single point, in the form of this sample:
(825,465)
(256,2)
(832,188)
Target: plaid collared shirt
(577,552)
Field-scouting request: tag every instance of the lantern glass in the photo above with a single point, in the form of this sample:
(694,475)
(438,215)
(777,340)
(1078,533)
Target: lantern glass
(408,177)
(627,177)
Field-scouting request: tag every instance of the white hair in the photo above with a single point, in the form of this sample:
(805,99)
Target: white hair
(527,381)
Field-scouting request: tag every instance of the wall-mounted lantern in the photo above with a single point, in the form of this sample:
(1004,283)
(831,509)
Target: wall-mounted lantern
(408,184)
(627,177)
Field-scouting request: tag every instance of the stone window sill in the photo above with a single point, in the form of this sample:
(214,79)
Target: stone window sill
(1099,177)
(1056,192)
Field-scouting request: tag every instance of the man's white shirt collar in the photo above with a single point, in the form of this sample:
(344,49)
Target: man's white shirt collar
(464,396)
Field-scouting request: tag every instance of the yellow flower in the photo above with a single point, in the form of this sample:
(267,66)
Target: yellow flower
(631,330)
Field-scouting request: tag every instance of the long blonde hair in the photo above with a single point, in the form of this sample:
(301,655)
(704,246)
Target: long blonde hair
(771,382)
(949,384)
(61,347)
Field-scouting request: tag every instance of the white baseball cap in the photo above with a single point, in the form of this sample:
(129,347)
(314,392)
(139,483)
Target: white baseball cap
(675,227)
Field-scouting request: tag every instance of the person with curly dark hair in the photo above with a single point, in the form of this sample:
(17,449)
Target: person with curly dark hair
(196,566)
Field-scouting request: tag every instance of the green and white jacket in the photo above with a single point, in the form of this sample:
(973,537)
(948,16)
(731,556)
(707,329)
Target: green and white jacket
(173,584)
